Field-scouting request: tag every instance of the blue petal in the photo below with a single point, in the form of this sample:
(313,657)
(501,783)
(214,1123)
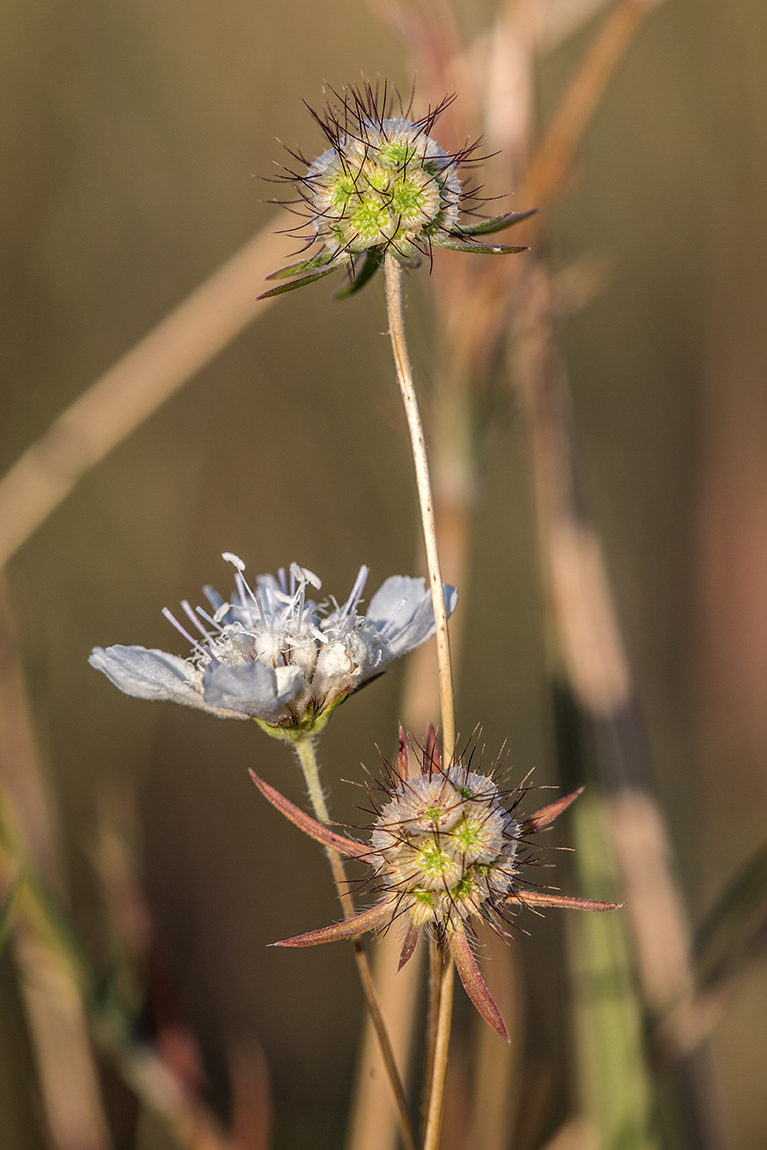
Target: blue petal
(152,674)
(402,613)
(251,688)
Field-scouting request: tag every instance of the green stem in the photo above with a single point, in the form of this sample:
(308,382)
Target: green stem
(307,757)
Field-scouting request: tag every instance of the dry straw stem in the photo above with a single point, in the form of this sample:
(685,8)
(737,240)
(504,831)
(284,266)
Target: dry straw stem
(484,317)
(395,310)
(394,307)
(592,650)
(134,388)
(442,66)
(432,1026)
(439,1073)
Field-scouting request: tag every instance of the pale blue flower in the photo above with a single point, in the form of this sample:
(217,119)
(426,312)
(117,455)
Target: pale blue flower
(273,654)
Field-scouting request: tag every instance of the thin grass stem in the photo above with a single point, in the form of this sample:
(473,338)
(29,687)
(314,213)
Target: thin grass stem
(393,271)
(307,757)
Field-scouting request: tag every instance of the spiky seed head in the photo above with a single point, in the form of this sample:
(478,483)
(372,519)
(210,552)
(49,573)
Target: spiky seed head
(382,187)
(387,184)
(444,847)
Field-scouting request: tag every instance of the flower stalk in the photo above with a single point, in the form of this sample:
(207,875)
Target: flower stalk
(439,1072)
(394,307)
(393,272)
(307,757)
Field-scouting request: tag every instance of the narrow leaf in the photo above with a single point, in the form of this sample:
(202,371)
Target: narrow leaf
(546,815)
(369,265)
(735,923)
(297,283)
(309,825)
(497,224)
(302,267)
(473,982)
(476,249)
(568,902)
(350,928)
(431,756)
(6,914)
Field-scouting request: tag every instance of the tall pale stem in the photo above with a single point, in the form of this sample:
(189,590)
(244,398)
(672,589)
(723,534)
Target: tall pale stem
(305,751)
(393,270)
(439,1072)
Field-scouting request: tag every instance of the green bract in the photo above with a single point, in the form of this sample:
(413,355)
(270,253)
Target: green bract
(383,185)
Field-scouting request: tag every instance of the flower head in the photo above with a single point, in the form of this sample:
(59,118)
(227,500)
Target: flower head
(382,185)
(273,654)
(445,849)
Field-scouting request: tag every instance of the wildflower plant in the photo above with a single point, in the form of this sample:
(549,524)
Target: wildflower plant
(382,186)
(447,848)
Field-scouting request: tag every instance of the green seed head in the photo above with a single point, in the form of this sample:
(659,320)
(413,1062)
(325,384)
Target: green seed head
(386,185)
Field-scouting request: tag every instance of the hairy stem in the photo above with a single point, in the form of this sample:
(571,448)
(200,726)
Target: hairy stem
(305,751)
(439,1072)
(393,270)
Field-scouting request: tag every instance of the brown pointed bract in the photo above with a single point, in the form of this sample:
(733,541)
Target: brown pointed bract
(349,928)
(410,942)
(566,901)
(546,815)
(431,761)
(309,825)
(473,982)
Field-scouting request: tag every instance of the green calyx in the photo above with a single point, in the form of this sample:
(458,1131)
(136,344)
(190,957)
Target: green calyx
(311,723)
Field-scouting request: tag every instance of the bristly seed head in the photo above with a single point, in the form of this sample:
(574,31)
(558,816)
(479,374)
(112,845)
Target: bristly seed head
(444,847)
(383,186)
(385,183)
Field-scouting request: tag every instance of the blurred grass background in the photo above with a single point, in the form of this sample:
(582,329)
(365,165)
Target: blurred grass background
(131,136)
